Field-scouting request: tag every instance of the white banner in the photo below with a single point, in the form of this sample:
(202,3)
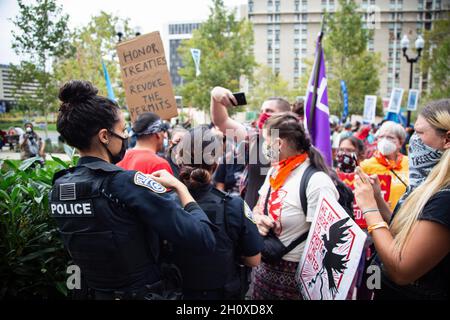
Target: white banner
(331,255)
(413,100)
(370,107)
(396,100)
(196,53)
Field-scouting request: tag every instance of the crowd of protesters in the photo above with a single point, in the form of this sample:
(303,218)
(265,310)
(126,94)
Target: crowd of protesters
(257,174)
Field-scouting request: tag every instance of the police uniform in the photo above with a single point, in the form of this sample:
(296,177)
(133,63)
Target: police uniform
(218,275)
(111,221)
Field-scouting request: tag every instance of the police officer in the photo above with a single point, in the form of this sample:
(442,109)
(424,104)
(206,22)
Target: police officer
(215,275)
(111,220)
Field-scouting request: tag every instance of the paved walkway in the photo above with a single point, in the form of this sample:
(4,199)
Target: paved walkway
(6,154)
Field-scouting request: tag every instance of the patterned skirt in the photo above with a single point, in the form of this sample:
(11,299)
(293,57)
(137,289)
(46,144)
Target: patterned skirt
(275,281)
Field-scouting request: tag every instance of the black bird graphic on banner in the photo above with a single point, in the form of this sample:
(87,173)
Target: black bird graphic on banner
(333,261)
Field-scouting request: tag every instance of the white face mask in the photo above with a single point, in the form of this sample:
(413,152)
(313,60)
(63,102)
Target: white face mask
(386,147)
(28,129)
(268,151)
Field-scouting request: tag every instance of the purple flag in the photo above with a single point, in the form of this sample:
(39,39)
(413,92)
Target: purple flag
(319,127)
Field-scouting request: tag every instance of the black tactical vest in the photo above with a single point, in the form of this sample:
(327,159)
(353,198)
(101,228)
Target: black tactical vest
(103,238)
(216,271)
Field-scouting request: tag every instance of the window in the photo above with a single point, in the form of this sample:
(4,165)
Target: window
(420,5)
(269,5)
(277,5)
(297,5)
(277,18)
(250,6)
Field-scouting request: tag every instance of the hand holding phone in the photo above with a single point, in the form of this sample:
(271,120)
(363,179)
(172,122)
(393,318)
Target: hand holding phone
(240,98)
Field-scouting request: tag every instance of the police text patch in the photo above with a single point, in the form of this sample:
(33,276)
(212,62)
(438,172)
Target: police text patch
(143,180)
(248,212)
(83,209)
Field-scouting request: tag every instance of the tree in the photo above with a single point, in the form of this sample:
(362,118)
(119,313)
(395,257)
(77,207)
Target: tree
(226,55)
(348,59)
(42,36)
(93,43)
(436,59)
(268,84)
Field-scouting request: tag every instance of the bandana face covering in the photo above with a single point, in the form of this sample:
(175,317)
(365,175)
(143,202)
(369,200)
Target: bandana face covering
(346,162)
(422,159)
(262,119)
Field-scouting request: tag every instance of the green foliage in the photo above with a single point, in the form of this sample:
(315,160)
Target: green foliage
(347,58)
(41,36)
(33,261)
(268,84)
(226,55)
(436,59)
(94,42)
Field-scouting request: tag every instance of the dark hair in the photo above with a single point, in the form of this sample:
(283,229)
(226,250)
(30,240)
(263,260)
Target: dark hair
(282,104)
(82,113)
(298,107)
(143,121)
(195,175)
(291,129)
(357,143)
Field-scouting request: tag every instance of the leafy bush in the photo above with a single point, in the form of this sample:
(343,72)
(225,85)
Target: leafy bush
(33,260)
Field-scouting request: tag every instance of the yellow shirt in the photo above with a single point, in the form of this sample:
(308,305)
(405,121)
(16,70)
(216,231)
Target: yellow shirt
(372,166)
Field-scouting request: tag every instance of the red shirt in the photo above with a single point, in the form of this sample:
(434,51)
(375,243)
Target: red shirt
(145,161)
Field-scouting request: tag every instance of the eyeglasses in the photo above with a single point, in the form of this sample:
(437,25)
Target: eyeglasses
(124,137)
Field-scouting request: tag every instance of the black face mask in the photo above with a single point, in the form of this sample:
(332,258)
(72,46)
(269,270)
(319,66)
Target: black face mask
(119,156)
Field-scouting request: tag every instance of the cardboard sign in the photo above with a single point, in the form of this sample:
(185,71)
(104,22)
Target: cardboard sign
(385,185)
(146,79)
(396,100)
(413,100)
(332,253)
(370,105)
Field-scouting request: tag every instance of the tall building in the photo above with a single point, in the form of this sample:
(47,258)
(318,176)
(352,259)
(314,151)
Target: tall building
(286,31)
(173,34)
(7,99)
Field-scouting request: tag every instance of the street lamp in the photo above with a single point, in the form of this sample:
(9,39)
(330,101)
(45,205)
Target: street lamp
(137,31)
(120,31)
(419,46)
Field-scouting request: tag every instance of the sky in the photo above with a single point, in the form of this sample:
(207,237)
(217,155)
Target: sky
(150,15)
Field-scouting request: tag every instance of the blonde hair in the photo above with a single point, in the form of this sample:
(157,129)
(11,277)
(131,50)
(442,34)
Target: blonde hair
(437,113)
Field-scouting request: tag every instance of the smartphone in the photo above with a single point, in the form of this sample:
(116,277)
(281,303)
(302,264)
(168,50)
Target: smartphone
(240,98)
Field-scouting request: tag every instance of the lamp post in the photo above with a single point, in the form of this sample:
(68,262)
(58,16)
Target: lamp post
(419,46)
(120,31)
(137,31)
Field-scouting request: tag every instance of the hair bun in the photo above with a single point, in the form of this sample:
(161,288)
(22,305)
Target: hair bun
(76,91)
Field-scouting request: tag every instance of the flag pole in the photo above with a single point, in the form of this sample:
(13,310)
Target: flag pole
(316,77)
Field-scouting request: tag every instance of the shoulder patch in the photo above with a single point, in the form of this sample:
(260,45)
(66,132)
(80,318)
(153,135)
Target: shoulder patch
(145,181)
(248,212)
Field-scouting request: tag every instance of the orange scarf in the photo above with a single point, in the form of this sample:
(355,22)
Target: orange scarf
(389,164)
(284,168)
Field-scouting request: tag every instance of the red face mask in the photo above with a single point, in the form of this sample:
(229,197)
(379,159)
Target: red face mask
(262,119)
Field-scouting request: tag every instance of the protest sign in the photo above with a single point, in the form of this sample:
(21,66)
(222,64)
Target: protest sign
(146,79)
(331,255)
(370,104)
(385,185)
(396,100)
(196,56)
(413,99)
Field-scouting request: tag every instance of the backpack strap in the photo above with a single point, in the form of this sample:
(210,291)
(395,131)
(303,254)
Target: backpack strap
(310,170)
